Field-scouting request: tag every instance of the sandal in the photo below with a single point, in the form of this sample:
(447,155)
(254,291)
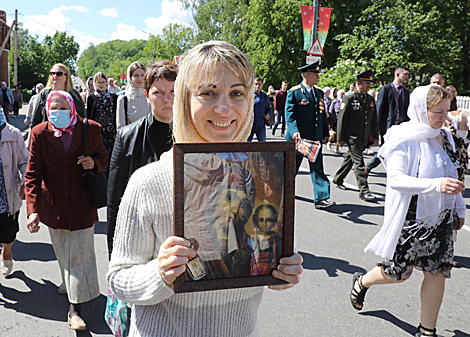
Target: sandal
(357,298)
(428,332)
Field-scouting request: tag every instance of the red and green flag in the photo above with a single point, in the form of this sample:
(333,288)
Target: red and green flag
(307,23)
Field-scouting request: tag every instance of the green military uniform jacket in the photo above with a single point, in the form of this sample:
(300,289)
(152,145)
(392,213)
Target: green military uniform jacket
(357,119)
(306,114)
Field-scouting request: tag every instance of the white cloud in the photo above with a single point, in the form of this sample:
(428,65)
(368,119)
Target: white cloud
(127,33)
(111,12)
(85,41)
(171,13)
(79,9)
(46,24)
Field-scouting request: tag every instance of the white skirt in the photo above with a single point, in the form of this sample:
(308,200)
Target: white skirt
(75,252)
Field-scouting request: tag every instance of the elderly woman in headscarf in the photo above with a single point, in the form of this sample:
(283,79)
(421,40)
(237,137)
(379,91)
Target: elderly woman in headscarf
(58,195)
(213,103)
(133,104)
(101,108)
(423,204)
(13,161)
(89,90)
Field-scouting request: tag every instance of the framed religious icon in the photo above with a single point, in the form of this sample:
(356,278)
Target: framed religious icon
(234,202)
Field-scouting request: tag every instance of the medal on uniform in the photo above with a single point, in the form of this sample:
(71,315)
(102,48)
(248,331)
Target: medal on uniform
(304,101)
(195,265)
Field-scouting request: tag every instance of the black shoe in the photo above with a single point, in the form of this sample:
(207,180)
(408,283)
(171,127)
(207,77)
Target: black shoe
(322,204)
(283,135)
(368,197)
(341,186)
(273,132)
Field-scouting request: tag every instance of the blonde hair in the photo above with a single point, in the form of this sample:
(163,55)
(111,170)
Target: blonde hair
(436,95)
(68,81)
(197,67)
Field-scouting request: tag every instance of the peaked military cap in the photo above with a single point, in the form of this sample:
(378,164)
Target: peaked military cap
(366,75)
(311,68)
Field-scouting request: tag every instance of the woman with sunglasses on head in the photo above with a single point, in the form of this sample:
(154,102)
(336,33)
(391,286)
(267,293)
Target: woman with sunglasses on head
(59,79)
(214,86)
(133,105)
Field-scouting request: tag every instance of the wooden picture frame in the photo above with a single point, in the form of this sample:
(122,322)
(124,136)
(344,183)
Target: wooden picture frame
(235,201)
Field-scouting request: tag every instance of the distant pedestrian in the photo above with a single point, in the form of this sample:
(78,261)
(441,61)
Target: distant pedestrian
(90,89)
(326,98)
(261,111)
(357,121)
(352,87)
(438,79)
(453,102)
(6,99)
(392,106)
(271,93)
(132,105)
(111,87)
(306,119)
(32,103)
(17,101)
(13,162)
(279,109)
(101,108)
(336,96)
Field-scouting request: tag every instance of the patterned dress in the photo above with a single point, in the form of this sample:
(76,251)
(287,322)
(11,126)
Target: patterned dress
(424,249)
(105,115)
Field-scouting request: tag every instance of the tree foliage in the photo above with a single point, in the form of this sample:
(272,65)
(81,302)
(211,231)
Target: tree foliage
(109,57)
(37,58)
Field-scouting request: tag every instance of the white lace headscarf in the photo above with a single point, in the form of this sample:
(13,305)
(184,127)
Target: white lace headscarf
(131,91)
(427,160)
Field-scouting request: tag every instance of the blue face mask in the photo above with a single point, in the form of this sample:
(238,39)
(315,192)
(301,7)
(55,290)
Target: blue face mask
(60,118)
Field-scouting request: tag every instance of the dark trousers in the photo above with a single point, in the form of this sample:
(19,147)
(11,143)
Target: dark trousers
(260,134)
(321,184)
(16,108)
(281,119)
(6,109)
(354,157)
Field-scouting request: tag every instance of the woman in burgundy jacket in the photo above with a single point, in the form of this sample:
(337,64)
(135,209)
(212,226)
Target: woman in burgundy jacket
(57,194)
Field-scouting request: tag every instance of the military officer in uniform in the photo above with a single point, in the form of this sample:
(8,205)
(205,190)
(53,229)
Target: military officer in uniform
(306,118)
(356,122)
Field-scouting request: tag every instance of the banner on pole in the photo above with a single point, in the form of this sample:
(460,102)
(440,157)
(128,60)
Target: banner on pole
(323,25)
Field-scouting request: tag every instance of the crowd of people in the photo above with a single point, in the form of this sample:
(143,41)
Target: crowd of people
(214,96)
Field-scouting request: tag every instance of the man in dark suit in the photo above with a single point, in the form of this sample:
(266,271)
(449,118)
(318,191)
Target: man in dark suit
(392,107)
(357,121)
(306,118)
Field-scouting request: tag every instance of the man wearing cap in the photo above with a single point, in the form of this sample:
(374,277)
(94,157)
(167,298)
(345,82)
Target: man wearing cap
(357,121)
(306,118)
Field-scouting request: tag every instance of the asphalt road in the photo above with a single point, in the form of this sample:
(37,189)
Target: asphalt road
(331,243)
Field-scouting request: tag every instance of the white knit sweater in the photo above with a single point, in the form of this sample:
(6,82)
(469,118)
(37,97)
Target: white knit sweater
(144,222)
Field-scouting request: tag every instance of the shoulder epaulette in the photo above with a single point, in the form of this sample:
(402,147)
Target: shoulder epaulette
(297,87)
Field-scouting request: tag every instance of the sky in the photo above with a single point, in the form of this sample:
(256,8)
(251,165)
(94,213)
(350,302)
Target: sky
(91,21)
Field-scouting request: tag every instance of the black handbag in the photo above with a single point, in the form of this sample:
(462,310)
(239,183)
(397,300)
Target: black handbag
(97,182)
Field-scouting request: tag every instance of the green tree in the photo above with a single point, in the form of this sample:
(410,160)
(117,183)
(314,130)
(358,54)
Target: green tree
(61,48)
(414,34)
(174,41)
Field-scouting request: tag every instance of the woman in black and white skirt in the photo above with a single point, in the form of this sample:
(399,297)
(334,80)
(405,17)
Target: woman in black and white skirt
(423,204)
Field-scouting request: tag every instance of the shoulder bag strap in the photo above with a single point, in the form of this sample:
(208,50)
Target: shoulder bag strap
(125,109)
(85,143)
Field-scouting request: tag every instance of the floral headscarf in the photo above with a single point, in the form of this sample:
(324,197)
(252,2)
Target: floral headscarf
(105,94)
(73,111)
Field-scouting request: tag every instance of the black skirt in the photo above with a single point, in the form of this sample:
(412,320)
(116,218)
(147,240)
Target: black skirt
(8,227)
